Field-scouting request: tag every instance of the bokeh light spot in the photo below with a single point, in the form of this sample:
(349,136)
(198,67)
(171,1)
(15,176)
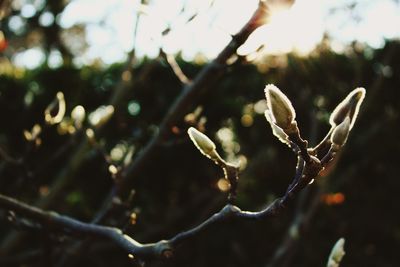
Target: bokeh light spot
(133,108)
(46,19)
(247,120)
(223,185)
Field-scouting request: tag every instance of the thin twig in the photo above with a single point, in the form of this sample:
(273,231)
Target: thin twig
(176,68)
(301,144)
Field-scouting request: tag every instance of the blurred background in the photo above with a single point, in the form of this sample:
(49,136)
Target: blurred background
(121,64)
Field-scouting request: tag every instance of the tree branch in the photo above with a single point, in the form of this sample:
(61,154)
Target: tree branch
(175,67)
(162,248)
(207,77)
(55,221)
(203,81)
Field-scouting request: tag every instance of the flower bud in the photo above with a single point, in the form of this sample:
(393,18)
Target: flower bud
(55,111)
(337,254)
(341,132)
(281,110)
(277,131)
(203,143)
(348,107)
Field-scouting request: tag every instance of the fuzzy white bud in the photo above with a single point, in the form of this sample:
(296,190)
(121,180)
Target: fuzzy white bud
(350,107)
(337,254)
(341,132)
(281,109)
(203,143)
(277,131)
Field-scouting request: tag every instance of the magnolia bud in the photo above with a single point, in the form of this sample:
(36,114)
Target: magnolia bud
(282,111)
(55,112)
(278,132)
(337,254)
(341,132)
(203,143)
(348,107)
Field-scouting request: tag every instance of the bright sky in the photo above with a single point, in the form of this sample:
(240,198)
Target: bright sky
(110,26)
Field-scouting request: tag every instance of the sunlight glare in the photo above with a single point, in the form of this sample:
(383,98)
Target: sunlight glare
(200,29)
(295,29)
